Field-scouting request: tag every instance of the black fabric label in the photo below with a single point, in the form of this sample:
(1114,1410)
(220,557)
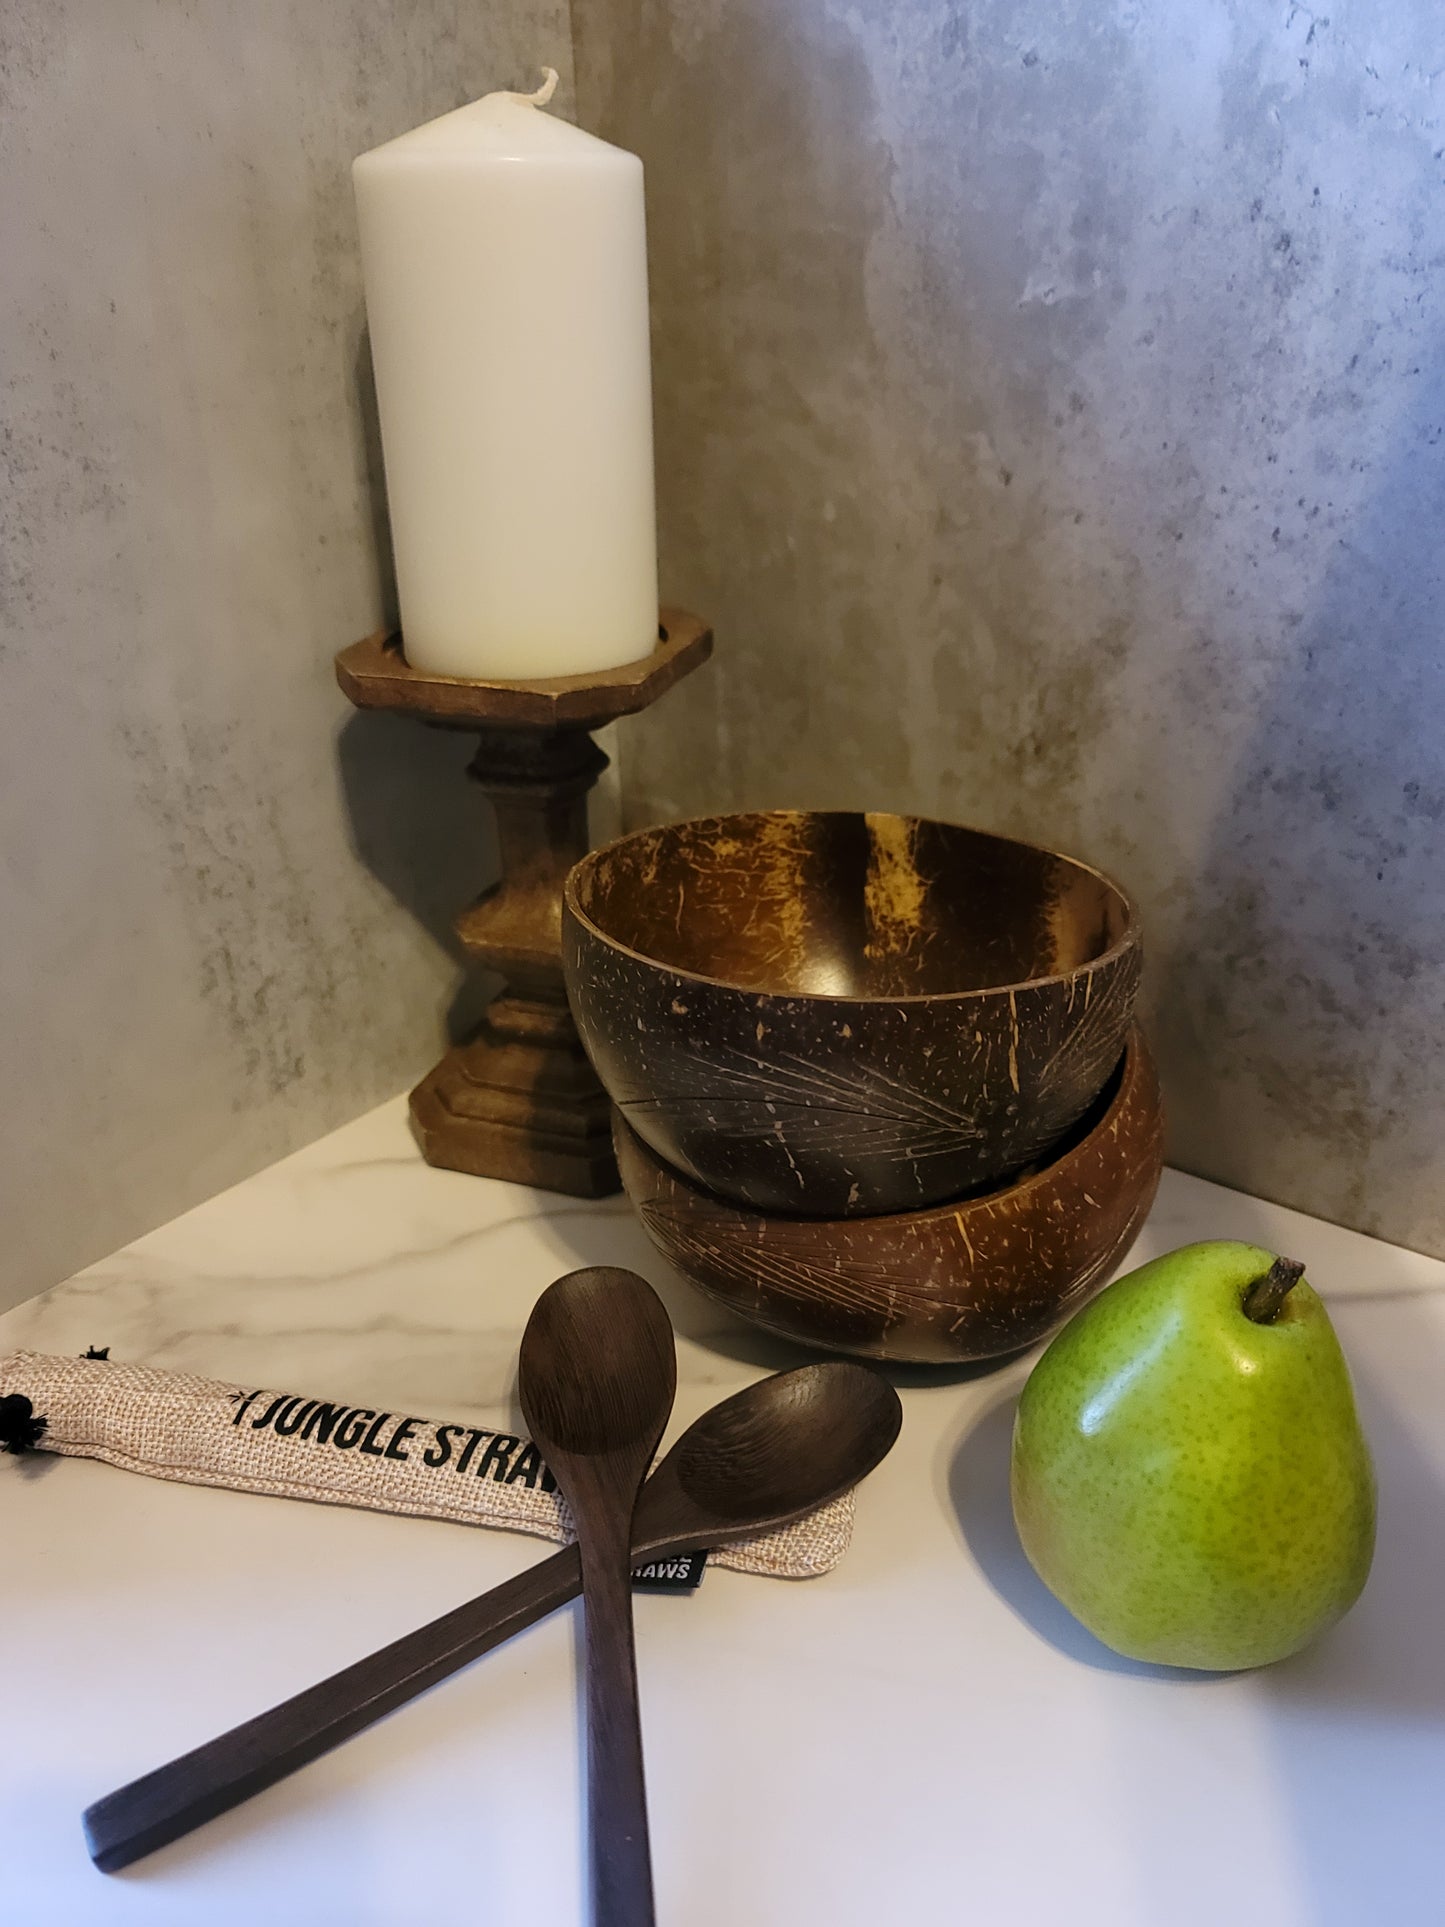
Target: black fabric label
(681,1573)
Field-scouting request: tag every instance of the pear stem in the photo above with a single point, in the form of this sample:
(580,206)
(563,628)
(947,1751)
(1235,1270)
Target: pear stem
(1262,1299)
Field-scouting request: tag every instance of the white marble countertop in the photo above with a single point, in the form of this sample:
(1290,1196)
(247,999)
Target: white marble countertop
(921,1736)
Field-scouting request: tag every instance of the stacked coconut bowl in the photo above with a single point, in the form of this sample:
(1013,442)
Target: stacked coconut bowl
(876,1081)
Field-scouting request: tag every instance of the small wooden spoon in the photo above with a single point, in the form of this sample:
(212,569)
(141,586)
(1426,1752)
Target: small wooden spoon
(596,1377)
(761,1459)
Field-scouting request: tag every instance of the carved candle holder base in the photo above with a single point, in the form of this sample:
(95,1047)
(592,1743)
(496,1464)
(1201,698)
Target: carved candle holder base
(519,1099)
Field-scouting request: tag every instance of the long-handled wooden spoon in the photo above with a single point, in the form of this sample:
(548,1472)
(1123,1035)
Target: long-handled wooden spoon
(596,1378)
(759,1460)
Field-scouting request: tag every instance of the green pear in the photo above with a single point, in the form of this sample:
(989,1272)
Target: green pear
(1189,1475)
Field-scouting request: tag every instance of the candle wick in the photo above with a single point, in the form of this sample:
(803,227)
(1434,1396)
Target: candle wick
(545,92)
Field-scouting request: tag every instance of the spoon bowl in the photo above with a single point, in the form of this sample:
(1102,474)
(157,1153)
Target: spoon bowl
(758,1459)
(597,1370)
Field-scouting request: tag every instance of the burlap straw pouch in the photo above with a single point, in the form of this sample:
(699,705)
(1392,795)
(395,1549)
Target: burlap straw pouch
(171,1425)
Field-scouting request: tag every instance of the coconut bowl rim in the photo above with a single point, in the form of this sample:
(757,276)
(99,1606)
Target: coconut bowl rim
(1115,954)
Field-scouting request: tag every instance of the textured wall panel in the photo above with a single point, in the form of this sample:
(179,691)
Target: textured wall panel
(224,897)
(1051,418)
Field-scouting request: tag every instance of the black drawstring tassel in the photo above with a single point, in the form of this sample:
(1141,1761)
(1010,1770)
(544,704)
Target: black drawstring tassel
(102,1352)
(20,1430)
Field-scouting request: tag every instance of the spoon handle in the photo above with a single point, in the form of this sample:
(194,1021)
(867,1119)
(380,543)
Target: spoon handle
(616,1790)
(163,1805)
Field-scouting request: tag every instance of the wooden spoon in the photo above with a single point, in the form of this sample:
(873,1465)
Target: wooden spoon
(596,1378)
(761,1459)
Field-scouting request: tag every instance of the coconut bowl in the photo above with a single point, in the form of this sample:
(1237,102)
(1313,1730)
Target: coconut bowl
(838,1014)
(972,1279)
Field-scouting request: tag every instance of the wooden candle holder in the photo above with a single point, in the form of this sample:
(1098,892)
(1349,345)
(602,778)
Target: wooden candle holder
(518,1099)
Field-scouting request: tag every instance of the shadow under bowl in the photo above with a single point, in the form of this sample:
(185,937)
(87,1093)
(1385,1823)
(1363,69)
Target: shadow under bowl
(972,1279)
(833,1013)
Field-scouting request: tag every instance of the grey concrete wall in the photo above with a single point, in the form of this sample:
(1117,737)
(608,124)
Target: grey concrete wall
(1050,414)
(223,898)
(1051,418)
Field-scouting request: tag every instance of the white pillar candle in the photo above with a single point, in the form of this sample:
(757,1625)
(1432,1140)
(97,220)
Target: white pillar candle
(505,263)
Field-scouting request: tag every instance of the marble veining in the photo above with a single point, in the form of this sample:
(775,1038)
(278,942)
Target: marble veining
(151,1616)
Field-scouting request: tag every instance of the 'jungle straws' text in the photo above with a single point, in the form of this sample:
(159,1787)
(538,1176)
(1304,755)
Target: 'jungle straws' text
(356,1428)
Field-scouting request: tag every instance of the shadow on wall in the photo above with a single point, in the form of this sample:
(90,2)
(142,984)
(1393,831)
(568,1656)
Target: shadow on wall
(1304,1015)
(416,822)
(364,379)
(423,831)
